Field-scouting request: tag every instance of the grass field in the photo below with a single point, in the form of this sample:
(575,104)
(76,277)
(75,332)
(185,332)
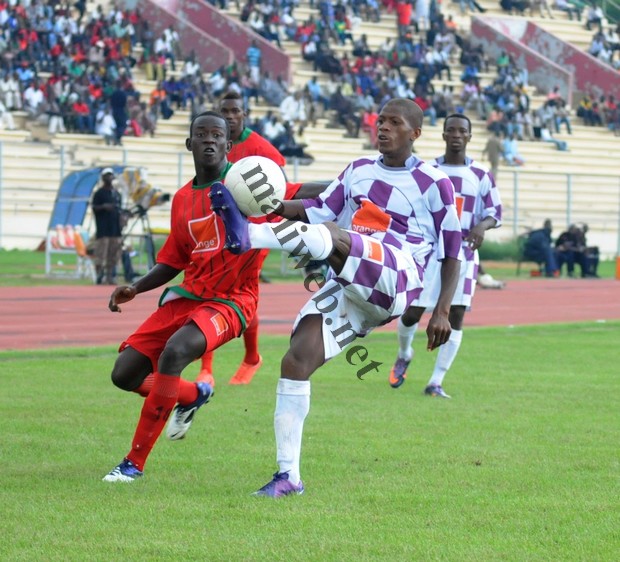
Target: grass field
(27,268)
(522,464)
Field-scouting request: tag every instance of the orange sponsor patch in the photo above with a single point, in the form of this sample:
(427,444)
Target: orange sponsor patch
(220,324)
(205,233)
(459,201)
(369,219)
(375,251)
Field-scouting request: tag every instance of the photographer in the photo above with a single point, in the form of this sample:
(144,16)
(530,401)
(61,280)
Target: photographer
(109,221)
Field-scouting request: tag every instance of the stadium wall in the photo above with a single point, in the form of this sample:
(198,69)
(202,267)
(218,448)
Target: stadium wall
(589,75)
(495,35)
(216,38)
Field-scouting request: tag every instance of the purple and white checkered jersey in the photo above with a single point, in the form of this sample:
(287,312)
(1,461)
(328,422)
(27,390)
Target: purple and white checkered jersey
(410,208)
(476,198)
(476,195)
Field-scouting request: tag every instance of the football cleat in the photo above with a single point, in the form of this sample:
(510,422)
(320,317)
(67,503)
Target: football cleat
(235,222)
(436,390)
(183,416)
(126,471)
(206,376)
(280,486)
(398,374)
(246,372)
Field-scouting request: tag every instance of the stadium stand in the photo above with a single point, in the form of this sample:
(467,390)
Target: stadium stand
(536,191)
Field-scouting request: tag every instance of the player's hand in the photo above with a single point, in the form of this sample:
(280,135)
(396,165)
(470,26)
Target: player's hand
(475,237)
(121,295)
(438,331)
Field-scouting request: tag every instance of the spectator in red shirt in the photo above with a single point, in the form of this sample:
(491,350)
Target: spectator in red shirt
(82,116)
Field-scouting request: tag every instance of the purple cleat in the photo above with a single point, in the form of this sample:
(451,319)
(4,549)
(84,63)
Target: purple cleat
(280,486)
(235,222)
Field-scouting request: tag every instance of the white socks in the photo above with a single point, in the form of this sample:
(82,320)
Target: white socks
(405,340)
(292,407)
(445,356)
(294,237)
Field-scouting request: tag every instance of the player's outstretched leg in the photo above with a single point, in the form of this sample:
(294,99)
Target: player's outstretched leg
(182,416)
(235,222)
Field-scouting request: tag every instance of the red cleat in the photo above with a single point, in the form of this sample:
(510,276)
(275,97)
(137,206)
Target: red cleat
(246,372)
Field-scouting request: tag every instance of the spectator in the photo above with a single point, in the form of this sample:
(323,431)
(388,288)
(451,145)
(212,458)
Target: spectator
(107,208)
(570,7)
(540,5)
(34,99)
(6,118)
(594,16)
(345,112)
(538,248)
(493,149)
(510,148)
(105,125)
(590,254)
(562,115)
(118,104)
(567,250)
(293,111)
(10,91)
(253,57)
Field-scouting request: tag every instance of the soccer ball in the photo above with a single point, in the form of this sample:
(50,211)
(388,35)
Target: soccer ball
(257,185)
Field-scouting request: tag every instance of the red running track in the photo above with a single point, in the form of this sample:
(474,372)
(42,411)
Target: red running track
(46,317)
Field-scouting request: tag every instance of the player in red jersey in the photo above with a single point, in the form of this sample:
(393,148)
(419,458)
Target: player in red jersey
(213,304)
(246,142)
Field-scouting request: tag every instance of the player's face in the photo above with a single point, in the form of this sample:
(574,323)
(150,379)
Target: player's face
(208,143)
(395,135)
(456,134)
(232,110)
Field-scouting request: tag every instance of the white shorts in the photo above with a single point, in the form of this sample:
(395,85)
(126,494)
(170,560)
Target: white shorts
(377,284)
(464,290)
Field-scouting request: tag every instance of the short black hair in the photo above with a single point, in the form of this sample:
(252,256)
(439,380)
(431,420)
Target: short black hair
(457,116)
(209,114)
(231,95)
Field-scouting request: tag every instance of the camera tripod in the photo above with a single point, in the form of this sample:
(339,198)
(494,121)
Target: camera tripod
(140,216)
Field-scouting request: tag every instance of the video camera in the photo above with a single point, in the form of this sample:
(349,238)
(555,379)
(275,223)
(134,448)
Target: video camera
(139,194)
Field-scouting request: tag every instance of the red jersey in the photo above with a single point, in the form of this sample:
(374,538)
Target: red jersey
(196,245)
(250,143)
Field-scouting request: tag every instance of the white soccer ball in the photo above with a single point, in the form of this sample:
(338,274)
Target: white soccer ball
(257,184)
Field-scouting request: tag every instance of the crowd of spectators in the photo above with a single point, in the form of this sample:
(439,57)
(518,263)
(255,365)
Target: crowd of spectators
(73,71)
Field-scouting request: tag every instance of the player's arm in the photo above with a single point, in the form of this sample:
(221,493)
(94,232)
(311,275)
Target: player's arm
(475,236)
(156,277)
(311,189)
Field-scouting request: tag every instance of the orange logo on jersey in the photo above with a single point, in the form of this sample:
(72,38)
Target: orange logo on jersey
(205,233)
(220,324)
(369,219)
(459,201)
(375,251)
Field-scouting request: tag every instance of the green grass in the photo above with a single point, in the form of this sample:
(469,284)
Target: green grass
(522,464)
(27,268)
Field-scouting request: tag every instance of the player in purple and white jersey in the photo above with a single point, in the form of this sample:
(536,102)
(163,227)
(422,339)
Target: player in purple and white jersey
(480,208)
(377,225)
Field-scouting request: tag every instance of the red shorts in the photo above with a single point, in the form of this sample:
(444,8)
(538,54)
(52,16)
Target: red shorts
(218,322)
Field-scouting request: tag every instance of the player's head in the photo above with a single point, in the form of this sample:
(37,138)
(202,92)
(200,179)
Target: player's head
(209,140)
(399,124)
(231,107)
(456,133)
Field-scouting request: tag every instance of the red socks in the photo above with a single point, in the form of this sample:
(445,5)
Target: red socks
(157,407)
(250,338)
